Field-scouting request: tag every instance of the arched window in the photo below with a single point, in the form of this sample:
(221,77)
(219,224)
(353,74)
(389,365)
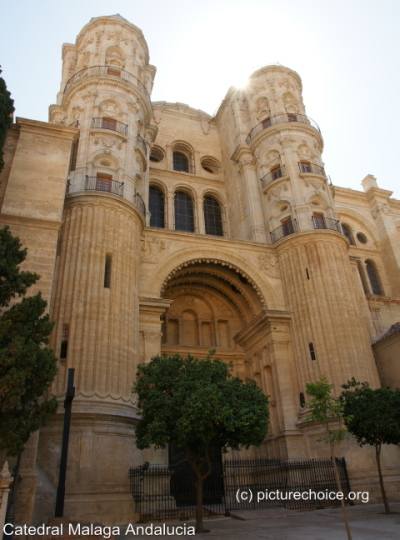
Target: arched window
(156,207)
(373,278)
(184,216)
(347,232)
(181,162)
(212,216)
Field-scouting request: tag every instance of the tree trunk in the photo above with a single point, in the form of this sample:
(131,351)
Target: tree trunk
(199,504)
(197,463)
(378,449)
(339,486)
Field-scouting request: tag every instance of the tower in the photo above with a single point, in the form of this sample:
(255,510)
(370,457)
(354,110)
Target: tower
(105,92)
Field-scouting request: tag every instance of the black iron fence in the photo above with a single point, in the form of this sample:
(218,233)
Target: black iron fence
(290,227)
(322,222)
(167,492)
(281,119)
(110,123)
(279,172)
(99,183)
(105,71)
(313,168)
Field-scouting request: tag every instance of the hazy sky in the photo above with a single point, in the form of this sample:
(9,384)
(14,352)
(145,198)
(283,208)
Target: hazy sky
(346,52)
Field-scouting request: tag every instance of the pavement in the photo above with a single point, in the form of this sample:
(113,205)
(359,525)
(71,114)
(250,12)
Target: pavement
(367,521)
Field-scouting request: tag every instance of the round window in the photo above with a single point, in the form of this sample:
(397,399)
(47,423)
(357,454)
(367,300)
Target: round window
(157,154)
(362,238)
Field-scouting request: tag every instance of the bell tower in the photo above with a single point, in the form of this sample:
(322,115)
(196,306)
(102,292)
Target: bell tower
(105,93)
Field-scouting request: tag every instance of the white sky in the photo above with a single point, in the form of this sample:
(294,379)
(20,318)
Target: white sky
(346,52)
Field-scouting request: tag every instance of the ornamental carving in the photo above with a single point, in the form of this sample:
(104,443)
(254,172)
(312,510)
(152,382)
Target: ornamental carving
(89,95)
(133,106)
(278,190)
(314,183)
(151,249)
(267,262)
(59,117)
(108,142)
(118,37)
(205,125)
(99,35)
(71,65)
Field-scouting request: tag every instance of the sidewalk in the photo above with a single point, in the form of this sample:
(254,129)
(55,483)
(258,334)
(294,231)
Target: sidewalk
(367,521)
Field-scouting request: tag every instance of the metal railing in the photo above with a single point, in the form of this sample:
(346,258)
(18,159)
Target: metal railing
(312,168)
(273,175)
(139,203)
(322,222)
(109,123)
(101,71)
(142,145)
(167,491)
(283,230)
(97,183)
(281,119)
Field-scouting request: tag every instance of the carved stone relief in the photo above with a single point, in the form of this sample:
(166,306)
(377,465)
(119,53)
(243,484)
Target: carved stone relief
(151,249)
(268,263)
(108,142)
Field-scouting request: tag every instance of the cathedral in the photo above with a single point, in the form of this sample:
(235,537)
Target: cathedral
(157,228)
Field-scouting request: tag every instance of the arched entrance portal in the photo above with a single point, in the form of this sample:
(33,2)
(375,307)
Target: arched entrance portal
(211,303)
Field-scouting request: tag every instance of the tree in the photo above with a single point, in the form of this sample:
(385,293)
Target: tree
(6,110)
(373,417)
(27,367)
(327,410)
(197,405)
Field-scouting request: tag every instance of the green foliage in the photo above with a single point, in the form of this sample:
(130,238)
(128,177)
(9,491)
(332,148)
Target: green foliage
(27,367)
(327,410)
(13,282)
(373,416)
(195,404)
(6,109)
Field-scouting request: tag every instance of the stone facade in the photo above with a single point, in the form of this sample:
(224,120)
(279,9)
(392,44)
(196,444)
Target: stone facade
(159,228)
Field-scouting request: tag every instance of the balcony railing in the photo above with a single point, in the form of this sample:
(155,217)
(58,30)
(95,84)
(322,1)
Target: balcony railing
(142,145)
(110,123)
(286,229)
(97,183)
(102,71)
(280,119)
(322,222)
(312,168)
(273,175)
(139,203)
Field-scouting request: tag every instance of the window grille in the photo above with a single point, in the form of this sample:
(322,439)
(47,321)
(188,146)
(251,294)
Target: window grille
(373,278)
(184,216)
(212,216)
(156,207)
(347,232)
(180,162)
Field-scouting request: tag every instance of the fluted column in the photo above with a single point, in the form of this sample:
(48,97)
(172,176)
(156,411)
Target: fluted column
(102,321)
(322,293)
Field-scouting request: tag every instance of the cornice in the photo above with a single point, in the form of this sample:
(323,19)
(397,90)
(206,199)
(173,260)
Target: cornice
(8,219)
(45,128)
(182,109)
